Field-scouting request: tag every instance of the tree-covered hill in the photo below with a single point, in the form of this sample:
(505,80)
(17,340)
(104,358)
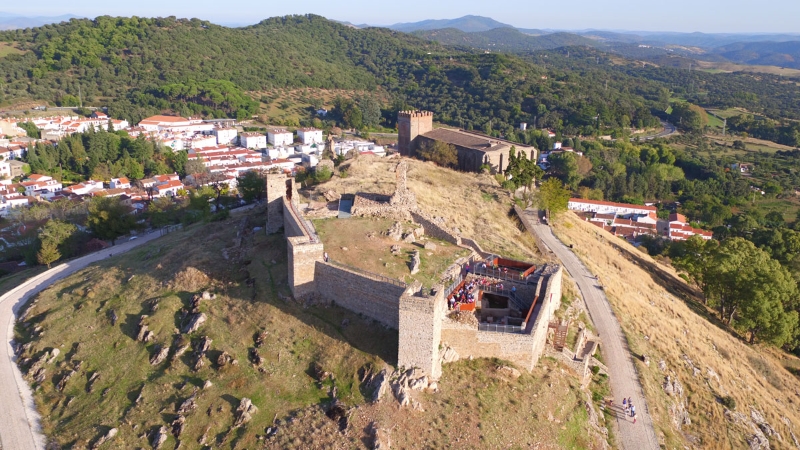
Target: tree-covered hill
(141,66)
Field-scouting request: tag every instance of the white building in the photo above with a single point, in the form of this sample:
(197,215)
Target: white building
(310,136)
(253,140)
(280,138)
(175,124)
(42,186)
(603,207)
(120,183)
(225,136)
(170,188)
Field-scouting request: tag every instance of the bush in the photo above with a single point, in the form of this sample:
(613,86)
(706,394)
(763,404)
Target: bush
(595,370)
(728,402)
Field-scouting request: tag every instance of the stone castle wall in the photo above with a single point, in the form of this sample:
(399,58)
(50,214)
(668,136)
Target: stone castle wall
(353,290)
(468,341)
(523,349)
(548,304)
(435,230)
(420,331)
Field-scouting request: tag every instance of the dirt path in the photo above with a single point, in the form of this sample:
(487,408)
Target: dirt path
(19,421)
(617,356)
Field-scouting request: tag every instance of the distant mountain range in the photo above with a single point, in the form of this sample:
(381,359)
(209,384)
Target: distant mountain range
(487,34)
(12,22)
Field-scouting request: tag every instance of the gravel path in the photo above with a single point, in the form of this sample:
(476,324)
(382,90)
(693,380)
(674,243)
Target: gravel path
(19,422)
(622,372)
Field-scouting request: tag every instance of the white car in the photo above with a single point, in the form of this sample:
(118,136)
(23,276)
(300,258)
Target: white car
(133,237)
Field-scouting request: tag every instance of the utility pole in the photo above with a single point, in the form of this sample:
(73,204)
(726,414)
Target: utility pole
(724,125)
(80,98)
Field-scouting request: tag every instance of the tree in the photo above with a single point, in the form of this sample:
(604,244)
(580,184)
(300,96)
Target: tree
(48,253)
(552,197)
(693,256)
(195,166)
(109,218)
(565,166)
(752,292)
(252,185)
(31,129)
(441,153)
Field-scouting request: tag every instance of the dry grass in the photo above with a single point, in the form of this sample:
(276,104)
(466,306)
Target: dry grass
(368,249)
(9,48)
(476,408)
(667,327)
(473,203)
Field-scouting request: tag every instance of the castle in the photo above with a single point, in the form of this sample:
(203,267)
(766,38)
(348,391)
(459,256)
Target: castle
(415,128)
(516,308)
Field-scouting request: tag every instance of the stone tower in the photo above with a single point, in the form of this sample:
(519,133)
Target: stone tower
(411,124)
(278,186)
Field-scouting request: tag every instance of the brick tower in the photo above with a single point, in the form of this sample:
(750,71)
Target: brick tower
(411,124)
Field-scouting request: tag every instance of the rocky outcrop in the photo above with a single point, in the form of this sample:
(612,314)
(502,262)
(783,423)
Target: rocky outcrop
(159,437)
(244,413)
(195,321)
(380,437)
(415,263)
(448,355)
(104,438)
(381,383)
(160,355)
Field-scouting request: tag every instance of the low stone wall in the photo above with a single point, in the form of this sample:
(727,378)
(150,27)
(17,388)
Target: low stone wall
(420,331)
(434,230)
(473,245)
(548,303)
(469,341)
(376,299)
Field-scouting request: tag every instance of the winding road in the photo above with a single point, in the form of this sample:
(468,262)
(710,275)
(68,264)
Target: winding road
(622,372)
(19,422)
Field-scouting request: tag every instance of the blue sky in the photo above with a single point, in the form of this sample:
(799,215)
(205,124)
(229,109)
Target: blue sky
(718,16)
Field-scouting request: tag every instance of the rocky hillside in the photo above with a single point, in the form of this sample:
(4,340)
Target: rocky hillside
(705,387)
(194,339)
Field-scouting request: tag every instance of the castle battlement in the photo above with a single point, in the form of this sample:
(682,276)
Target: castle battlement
(414,114)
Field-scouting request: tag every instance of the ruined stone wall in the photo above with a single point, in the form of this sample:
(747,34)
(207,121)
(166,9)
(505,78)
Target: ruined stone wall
(548,304)
(435,230)
(349,289)
(468,341)
(420,331)
(303,257)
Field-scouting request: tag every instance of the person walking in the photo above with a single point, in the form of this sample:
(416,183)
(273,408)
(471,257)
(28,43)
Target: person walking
(633,413)
(625,404)
(325,256)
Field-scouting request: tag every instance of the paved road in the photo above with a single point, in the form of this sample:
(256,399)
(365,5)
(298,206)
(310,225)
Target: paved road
(616,355)
(19,421)
(669,130)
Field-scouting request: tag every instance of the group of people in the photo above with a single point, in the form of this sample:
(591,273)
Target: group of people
(627,406)
(468,292)
(465,295)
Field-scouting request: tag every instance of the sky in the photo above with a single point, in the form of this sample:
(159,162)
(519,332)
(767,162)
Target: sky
(710,16)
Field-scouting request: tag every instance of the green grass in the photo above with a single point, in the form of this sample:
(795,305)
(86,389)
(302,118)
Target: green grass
(8,49)
(11,281)
(76,310)
(714,122)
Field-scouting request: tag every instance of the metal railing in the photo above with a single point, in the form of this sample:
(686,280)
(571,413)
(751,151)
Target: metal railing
(368,274)
(499,274)
(498,328)
(449,289)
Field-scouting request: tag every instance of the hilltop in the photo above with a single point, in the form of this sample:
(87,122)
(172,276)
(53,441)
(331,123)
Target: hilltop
(287,357)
